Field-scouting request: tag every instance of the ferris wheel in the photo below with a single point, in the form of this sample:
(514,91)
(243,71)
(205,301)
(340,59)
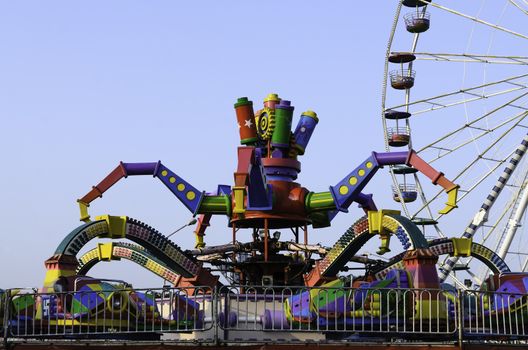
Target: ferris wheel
(455,90)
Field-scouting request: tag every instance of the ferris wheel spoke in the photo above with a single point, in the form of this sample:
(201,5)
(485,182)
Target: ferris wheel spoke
(473,122)
(518,7)
(476,19)
(470,58)
(435,102)
(493,144)
(493,227)
(482,178)
(472,139)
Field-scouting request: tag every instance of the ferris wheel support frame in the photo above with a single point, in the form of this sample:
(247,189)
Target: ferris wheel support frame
(514,223)
(481,217)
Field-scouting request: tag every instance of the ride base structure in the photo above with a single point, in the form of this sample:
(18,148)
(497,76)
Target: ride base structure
(269,290)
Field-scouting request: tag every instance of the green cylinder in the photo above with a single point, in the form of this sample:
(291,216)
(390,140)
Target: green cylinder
(319,201)
(215,205)
(283,122)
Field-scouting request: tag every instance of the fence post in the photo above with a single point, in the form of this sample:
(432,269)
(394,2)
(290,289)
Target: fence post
(216,321)
(460,316)
(226,315)
(5,326)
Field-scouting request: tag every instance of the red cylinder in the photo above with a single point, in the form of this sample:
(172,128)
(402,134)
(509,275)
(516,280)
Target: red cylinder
(246,121)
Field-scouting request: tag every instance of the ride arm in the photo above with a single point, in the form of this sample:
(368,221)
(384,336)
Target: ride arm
(366,202)
(437,178)
(201,226)
(194,200)
(349,189)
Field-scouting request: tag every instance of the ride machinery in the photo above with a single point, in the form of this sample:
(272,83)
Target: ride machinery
(264,198)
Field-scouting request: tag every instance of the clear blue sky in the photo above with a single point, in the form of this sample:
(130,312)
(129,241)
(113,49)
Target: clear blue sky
(84,85)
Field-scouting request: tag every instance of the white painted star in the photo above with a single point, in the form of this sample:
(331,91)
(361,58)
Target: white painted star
(248,123)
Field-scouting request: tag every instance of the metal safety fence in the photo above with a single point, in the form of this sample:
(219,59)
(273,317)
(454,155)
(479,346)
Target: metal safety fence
(98,313)
(341,310)
(248,314)
(491,314)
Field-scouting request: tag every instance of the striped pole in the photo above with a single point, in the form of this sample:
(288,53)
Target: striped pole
(482,215)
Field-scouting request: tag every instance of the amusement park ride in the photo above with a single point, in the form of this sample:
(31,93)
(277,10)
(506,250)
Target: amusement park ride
(265,198)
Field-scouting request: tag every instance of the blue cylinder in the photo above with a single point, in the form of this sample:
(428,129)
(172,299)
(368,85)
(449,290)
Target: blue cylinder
(303,131)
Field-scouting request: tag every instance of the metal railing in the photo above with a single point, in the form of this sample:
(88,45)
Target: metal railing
(260,313)
(96,313)
(402,78)
(411,17)
(391,132)
(402,73)
(341,310)
(491,314)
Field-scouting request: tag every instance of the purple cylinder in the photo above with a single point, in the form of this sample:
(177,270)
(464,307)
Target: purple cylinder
(140,168)
(391,158)
(228,320)
(277,173)
(274,319)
